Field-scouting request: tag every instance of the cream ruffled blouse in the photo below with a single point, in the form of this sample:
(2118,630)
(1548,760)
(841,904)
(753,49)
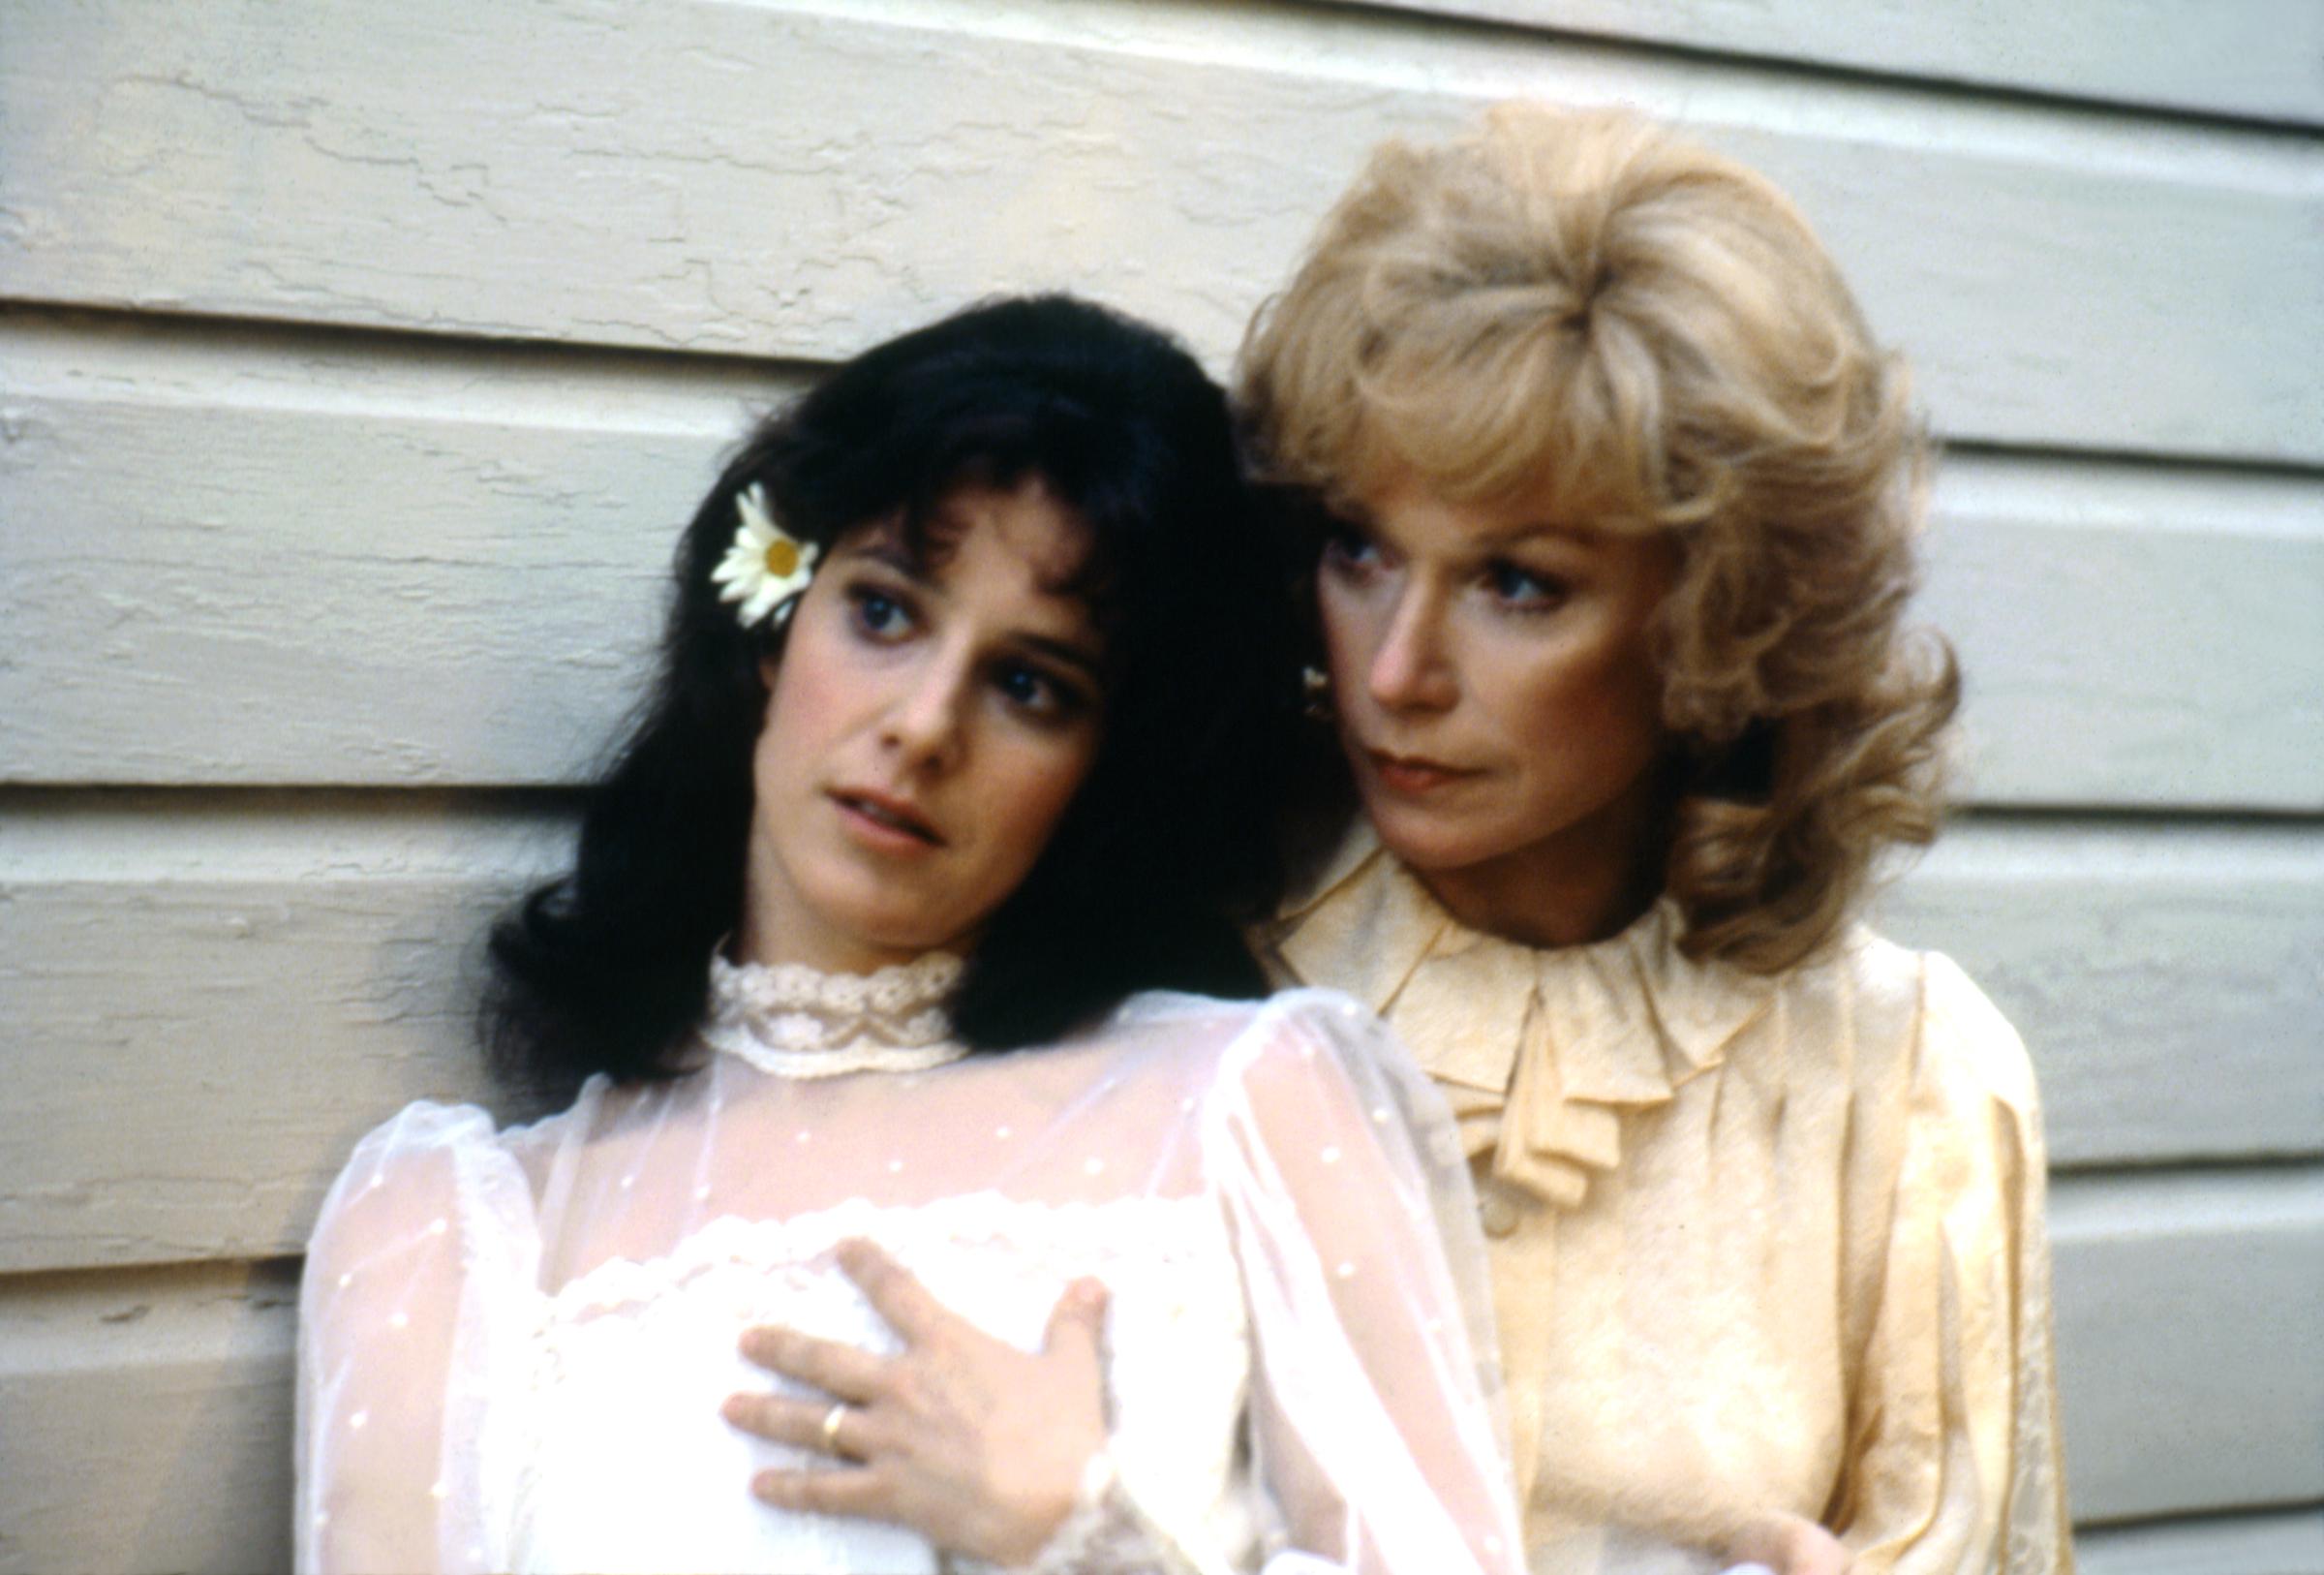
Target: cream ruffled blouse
(1758,1243)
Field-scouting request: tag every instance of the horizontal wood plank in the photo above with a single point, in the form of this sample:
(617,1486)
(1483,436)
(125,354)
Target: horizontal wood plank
(217,1011)
(170,1390)
(2262,59)
(149,1420)
(208,1006)
(458,580)
(2190,1353)
(2222,1545)
(2132,637)
(2166,979)
(797,180)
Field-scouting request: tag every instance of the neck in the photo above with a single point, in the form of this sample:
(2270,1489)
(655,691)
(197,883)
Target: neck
(781,926)
(1587,883)
(771,938)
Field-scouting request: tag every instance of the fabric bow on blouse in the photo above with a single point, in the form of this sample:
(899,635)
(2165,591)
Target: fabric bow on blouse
(1606,1028)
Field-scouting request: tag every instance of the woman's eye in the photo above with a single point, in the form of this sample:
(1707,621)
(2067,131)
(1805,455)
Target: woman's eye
(1037,692)
(1347,548)
(877,613)
(1523,588)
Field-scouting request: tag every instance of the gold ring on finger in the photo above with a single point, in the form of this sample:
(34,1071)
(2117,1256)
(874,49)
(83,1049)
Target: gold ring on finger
(831,1426)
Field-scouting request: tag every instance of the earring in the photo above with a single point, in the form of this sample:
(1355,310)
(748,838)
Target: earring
(1315,685)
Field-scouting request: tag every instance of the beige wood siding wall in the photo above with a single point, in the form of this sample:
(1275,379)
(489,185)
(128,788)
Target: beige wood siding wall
(358,362)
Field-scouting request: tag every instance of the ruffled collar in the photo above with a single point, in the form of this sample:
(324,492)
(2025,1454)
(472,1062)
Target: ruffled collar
(792,1021)
(1556,1043)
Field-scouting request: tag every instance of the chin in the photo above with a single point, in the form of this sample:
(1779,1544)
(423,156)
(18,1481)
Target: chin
(1430,842)
(877,921)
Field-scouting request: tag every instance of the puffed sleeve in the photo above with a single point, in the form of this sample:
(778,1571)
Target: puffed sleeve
(410,1281)
(1954,1460)
(1375,1420)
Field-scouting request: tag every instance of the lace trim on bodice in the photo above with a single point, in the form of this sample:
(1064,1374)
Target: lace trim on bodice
(792,1021)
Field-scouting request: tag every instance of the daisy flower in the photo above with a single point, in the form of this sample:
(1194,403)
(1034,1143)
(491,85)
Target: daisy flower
(766,566)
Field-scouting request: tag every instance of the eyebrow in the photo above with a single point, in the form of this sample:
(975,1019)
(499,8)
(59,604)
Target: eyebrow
(890,553)
(1067,652)
(1485,541)
(1537,529)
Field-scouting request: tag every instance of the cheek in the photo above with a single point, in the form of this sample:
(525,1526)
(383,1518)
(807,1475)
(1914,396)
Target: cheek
(1035,792)
(1348,636)
(1596,719)
(805,715)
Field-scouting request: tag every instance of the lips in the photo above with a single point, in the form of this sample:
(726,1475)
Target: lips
(1413,774)
(888,812)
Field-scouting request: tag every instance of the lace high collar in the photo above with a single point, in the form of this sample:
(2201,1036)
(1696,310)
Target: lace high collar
(793,1021)
(1553,1043)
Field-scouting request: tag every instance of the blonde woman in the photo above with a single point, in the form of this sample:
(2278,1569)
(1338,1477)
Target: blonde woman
(1615,497)
(1611,500)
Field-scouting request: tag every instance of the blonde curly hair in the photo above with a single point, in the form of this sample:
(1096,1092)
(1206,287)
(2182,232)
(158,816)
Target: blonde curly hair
(1586,309)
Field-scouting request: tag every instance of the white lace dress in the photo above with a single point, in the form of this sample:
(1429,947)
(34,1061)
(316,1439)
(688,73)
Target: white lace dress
(514,1345)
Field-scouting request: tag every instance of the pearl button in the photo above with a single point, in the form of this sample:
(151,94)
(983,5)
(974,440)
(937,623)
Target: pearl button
(1498,1212)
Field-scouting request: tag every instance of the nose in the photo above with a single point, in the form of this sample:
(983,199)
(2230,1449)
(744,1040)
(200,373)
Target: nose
(925,725)
(1409,669)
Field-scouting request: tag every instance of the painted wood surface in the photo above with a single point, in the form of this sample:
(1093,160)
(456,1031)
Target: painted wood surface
(211,1006)
(2217,1545)
(2257,58)
(147,1421)
(460,582)
(797,180)
(2190,1340)
(220,1005)
(2166,978)
(361,478)
(173,1388)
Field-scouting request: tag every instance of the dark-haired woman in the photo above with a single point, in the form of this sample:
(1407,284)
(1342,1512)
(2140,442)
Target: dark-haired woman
(969,645)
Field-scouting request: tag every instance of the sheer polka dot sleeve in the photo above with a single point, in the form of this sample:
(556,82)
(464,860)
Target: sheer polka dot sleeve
(1375,1418)
(414,1249)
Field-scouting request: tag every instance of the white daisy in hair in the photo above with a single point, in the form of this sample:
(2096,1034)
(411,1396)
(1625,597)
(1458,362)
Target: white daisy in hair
(767,566)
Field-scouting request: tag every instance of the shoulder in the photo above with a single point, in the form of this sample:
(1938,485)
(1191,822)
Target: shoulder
(1305,1057)
(403,1175)
(432,1173)
(1959,1043)
(1295,1024)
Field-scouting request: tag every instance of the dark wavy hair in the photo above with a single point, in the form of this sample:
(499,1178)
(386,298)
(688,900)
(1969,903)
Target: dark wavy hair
(1170,844)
